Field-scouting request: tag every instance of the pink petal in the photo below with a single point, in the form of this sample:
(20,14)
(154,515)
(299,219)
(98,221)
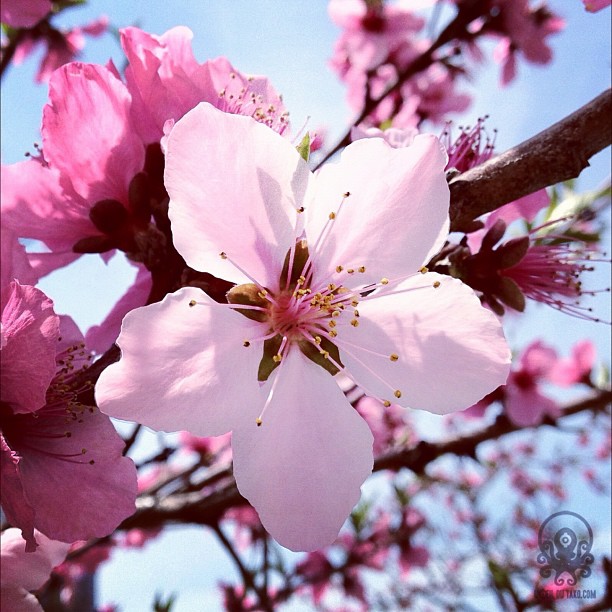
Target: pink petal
(30,570)
(100,337)
(303,467)
(396,213)
(15,264)
(528,407)
(184,367)
(37,203)
(24,13)
(15,506)
(87,133)
(538,359)
(30,329)
(79,486)
(163,77)
(234,187)
(451,350)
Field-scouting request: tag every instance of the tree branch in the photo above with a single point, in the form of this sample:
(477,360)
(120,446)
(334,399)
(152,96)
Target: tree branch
(194,507)
(556,154)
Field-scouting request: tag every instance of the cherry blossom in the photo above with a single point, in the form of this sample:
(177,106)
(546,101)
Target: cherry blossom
(24,572)
(320,292)
(59,457)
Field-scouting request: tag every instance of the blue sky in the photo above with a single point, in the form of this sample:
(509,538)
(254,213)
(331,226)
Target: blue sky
(291,42)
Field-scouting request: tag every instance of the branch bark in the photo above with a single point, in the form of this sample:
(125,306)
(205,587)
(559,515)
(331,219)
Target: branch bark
(556,154)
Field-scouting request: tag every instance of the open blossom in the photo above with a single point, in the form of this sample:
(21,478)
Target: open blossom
(61,463)
(24,572)
(331,280)
(60,46)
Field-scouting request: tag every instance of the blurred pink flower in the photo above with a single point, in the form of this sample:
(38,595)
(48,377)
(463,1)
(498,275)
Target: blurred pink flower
(266,358)
(23,572)
(61,46)
(24,13)
(595,5)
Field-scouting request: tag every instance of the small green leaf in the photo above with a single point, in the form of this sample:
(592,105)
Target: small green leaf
(304,147)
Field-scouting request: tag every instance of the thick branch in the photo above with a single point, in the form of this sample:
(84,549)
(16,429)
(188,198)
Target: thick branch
(194,507)
(556,154)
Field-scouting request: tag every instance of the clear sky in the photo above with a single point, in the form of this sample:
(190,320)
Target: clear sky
(290,41)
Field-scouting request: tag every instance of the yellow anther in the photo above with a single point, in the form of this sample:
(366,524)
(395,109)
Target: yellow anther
(424,270)
(361,269)
(436,284)
(384,281)
(331,286)
(397,393)
(258,421)
(339,269)
(354,322)
(332,216)
(335,313)
(355,313)
(333,333)
(300,209)
(393,356)
(277,358)
(262,293)
(386,403)
(351,271)
(246,343)
(301,280)
(223,255)
(346,194)
(325,354)
(332,323)
(192,302)
(317,339)
(354,303)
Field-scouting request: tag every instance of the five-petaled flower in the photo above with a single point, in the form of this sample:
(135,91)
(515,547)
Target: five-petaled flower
(330,278)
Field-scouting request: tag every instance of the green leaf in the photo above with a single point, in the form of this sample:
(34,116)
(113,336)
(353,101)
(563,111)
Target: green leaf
(304,147)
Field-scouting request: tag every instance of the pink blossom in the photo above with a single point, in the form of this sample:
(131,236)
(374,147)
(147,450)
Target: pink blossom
(62,467)
(166,81)
(61,46)
(372,31)
(388,425)
(593,5)
(525,404)
(577,367)
(316,571)
(191,363)
(24,572)
(471,148)
(24,13)
(395,137)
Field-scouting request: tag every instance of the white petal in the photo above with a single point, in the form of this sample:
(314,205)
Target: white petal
(235,186)
(184,367)
(303,468)
(451,350)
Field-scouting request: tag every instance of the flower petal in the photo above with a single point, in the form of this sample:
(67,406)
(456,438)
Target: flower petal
(80,485)
(184,367)
(303,467)
(30,331)
(396,213)
(32,569)
(451,351)
(234,187)
(87,133)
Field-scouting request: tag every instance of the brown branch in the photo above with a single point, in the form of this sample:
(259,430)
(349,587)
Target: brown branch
(556,154)
(208,509)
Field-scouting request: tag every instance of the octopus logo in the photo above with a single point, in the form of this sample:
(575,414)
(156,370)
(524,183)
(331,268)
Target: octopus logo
(565,540)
